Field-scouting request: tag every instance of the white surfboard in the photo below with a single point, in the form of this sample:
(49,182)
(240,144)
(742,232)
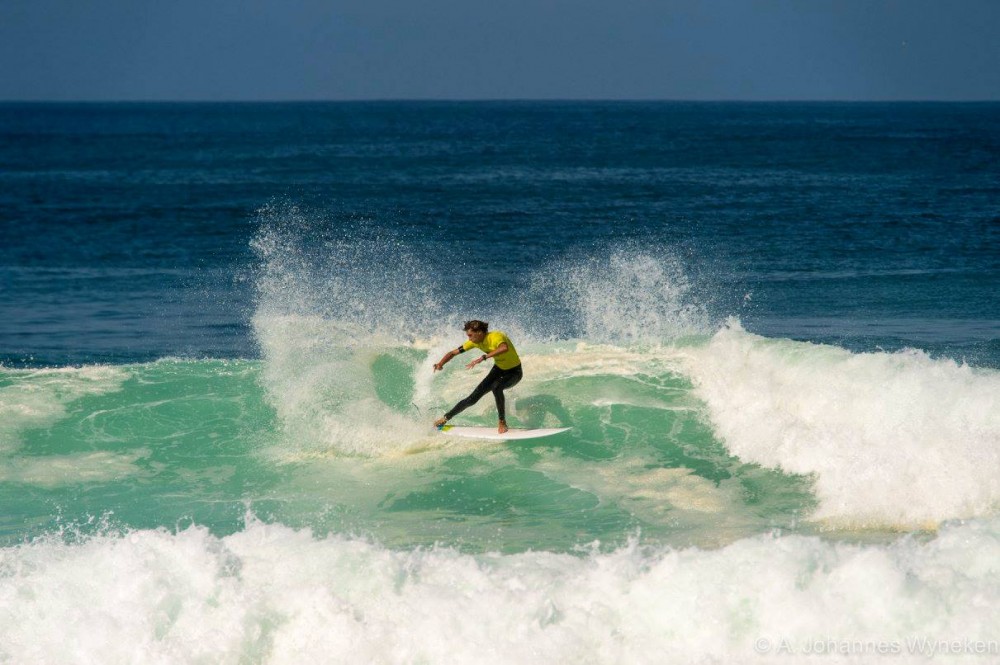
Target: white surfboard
(491,432)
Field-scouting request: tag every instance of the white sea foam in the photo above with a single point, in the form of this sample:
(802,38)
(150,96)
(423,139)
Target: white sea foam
(58,470)
(708,513)
(895,439)
(272,594)
(322,388)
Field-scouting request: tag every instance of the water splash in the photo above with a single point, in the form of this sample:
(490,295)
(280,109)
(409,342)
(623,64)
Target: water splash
(334,299)
(624,295)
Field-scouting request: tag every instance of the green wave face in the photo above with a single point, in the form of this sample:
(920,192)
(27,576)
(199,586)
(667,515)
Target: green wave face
(201,441)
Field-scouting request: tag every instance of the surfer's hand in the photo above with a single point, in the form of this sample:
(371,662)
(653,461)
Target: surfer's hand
(437,367)
(475,362)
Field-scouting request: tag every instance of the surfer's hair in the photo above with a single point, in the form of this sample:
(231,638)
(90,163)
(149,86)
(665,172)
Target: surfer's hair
(476,326)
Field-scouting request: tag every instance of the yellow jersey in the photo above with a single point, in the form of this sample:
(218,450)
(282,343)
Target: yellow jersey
(506,360)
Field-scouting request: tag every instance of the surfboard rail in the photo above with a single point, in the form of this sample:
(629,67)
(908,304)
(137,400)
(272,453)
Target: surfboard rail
(490,433)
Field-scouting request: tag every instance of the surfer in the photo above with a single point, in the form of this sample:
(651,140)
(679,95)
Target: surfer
(506,371)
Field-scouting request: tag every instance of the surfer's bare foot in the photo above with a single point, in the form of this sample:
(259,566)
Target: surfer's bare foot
(502,427)
(440,422)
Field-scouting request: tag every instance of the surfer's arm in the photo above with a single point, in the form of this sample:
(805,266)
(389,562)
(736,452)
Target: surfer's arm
(448,356)
(495,352)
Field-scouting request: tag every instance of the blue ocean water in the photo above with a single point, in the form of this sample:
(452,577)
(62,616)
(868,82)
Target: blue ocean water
(773,329)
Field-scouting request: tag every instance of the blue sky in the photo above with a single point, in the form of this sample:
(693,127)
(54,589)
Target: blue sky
(499,49)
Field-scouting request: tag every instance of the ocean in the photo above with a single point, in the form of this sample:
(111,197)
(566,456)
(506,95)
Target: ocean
(774,329)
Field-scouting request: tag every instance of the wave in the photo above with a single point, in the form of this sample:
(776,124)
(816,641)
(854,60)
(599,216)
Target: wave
(679,426)
(349,328)
(885,440)
(678,434)
(897,439)
(269,593)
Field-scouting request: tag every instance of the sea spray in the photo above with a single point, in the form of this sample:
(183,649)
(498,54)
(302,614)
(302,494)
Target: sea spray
(623,294)
(332,302)
(356,275)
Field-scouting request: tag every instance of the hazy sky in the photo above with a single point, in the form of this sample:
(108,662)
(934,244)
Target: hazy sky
(499,49)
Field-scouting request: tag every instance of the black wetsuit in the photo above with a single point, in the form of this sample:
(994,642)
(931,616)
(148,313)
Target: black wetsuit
(496,382)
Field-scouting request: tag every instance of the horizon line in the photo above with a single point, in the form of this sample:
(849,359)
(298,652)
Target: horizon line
(500,100)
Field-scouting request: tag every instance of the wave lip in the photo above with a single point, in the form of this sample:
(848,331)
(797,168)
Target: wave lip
(892,439)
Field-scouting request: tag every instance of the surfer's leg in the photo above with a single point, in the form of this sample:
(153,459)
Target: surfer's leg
(501,403)
(508,379)
(485,386)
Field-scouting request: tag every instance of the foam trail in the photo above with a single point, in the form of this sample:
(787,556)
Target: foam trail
(896,439)
(272,594)
(57,470)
